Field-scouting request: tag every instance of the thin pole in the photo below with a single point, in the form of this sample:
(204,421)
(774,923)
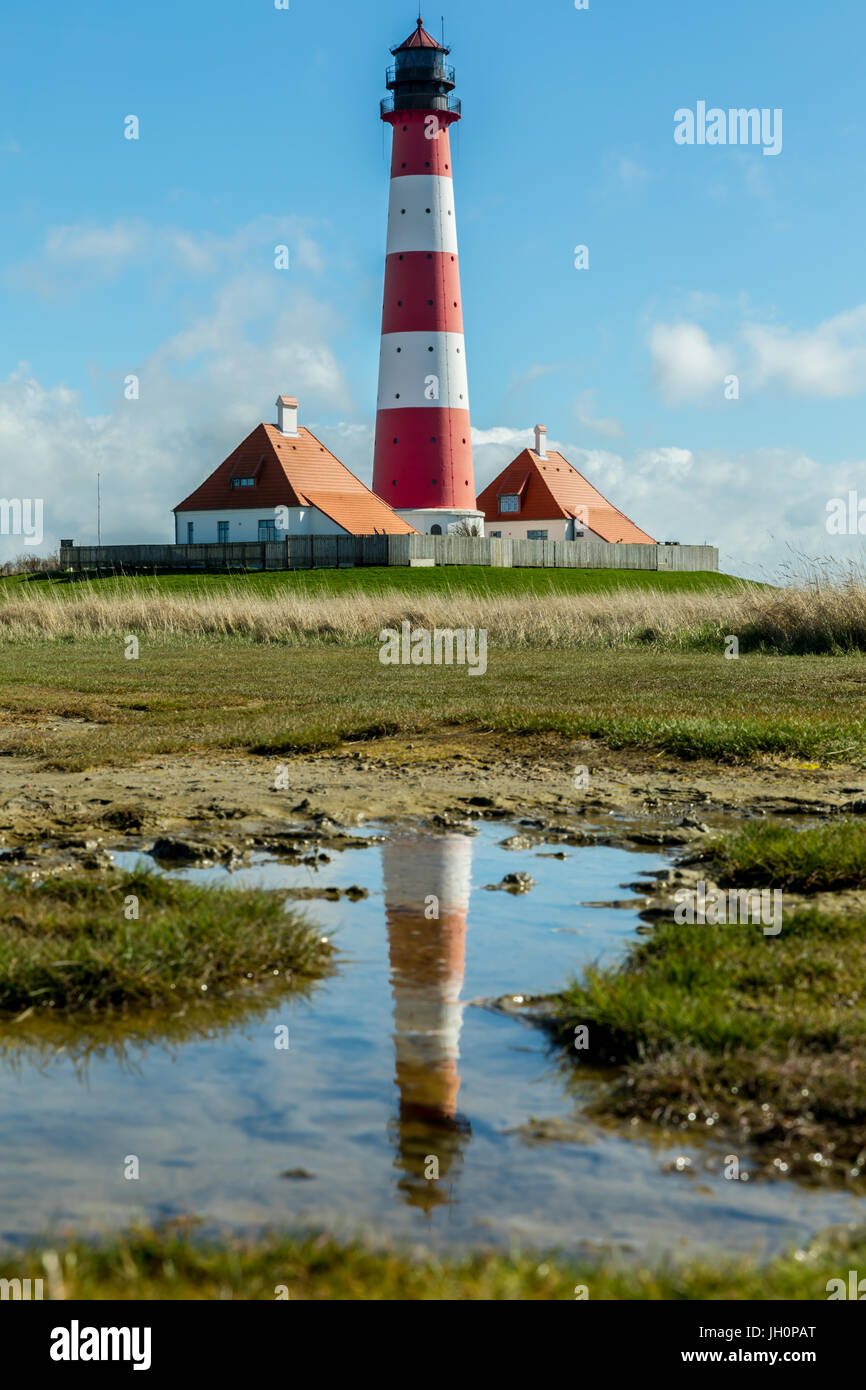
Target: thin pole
(98,511)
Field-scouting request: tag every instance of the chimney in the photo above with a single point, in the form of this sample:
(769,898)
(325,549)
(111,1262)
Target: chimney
(287,415)
(541,441)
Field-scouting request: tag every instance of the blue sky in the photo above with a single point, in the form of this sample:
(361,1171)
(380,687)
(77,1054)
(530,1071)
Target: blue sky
(260,126)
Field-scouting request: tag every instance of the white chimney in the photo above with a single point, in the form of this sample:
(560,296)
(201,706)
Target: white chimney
(541,441)
(287,415)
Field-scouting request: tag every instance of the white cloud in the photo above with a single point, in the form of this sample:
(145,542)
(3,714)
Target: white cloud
(201,392)
(685,363)
(825,362)
(74,256)
(108,247)
(665,462)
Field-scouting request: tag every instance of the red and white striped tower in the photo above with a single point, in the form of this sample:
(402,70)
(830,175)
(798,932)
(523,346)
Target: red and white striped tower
(423,457)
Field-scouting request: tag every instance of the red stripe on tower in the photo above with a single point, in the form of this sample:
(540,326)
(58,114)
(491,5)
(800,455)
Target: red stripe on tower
(423,454)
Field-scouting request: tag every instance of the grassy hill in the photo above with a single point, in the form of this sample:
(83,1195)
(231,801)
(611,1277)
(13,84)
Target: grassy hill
(421,582)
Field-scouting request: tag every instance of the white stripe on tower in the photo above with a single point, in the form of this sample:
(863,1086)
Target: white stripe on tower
(421,215)
(420,371)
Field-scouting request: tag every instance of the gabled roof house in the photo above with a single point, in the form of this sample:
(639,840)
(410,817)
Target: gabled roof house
(282,481)
(541,496)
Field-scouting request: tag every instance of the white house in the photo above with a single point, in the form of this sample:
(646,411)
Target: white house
(282,481)
(541,496)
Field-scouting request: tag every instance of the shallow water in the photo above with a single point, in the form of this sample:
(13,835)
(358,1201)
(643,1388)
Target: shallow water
(389,1066)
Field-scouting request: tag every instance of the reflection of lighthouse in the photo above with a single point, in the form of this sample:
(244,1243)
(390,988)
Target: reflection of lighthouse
(425,874)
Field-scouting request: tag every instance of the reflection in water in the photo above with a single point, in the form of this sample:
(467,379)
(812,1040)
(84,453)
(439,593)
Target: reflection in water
(78,1039)
(427,954)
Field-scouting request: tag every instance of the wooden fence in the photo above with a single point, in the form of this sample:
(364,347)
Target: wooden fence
(335,552)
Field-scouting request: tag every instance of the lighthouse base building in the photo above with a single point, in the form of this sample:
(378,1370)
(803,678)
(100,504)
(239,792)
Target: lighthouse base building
(442,521)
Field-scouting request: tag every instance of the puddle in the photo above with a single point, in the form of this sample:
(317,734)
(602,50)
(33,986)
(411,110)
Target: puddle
(387,1069)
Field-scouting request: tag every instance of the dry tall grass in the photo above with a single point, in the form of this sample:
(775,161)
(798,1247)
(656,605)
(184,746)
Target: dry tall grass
(808,617)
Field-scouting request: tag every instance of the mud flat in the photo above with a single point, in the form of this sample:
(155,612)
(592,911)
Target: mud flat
(473,776)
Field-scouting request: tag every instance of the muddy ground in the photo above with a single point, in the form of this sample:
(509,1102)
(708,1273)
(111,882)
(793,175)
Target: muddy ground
(509,778)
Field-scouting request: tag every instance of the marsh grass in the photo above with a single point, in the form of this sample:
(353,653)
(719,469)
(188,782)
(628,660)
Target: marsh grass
(67,946)
(812,617)
(82,704)
(171,1263)
(760,1037)
(821,858)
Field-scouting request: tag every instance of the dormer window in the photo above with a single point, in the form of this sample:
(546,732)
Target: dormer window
(243,482)
(509,502)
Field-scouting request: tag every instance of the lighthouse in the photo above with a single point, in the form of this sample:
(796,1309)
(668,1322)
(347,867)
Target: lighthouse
(423,456)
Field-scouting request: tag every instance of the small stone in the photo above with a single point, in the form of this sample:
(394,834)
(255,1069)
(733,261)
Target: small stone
(513,883)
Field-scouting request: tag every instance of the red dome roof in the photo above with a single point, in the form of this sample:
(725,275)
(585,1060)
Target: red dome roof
(419,39)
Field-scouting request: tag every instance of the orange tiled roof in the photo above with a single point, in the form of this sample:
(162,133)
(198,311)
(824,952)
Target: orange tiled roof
(294,471)
(358,514)
(555,489)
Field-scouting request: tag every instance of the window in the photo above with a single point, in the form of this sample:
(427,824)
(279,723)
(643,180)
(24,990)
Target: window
(509,502)
(496,535)
(190,526)
(268,531)
(243,482)
(222,533)
(435,529)
(536,535)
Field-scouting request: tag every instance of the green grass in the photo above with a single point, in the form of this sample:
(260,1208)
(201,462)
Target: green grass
(209,696)
(759,1038)
(441,579)
(168,1264)
(823,858)
(67,946)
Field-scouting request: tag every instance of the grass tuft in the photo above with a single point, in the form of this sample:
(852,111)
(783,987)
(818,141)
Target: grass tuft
(66,944)
(762,1038)
(822,858)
